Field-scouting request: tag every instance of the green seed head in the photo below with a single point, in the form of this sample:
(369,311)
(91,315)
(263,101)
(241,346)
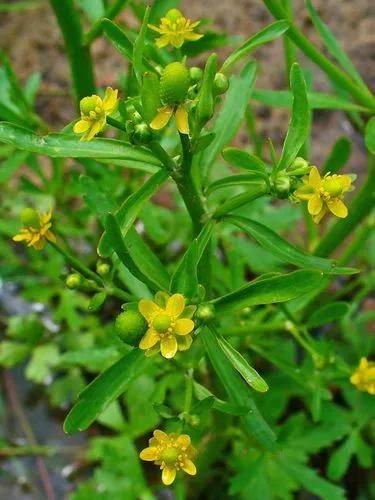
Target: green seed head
(130,326)
(169,455)
(73,280)
(161,322)
(89,103)
(174,83)
(29,217)
(221,83)
(173,14)
(333,186)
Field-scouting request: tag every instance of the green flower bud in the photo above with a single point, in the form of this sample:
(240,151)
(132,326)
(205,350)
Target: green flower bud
(173,14)
(205,312)
(245,312)
(299,162)
(74,280)
(196,74)
(103,268)
(221,83)
(130,326)
(142,133)
(194,420)
(174,83)
(89,103)
(29,217)
(282,185)
(136,117)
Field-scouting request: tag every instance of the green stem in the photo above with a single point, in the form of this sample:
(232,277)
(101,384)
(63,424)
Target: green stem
(188,392)
(76,264)
(79,56)
(97,28)
(115,123)
(358,210)
(311,51)
(251,329)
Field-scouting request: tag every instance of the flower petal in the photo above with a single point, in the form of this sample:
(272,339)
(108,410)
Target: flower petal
(168,346)
(22,236)
(168,475)
(189,467)
(150,454)
(148,308)
(95,129)
(317,218)
(110,100)
(50,236)
(160,436)
(162,118)
(183,441)
(184,342)
(162,41)
(337,207)
(81,126)
(314,178)
(182,120)
(175,305)
(149,339)
(192,36)
(315,205)
(183,326)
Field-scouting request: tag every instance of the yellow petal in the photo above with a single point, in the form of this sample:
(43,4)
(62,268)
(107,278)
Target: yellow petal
(21,236)
(315,205)
(160,436)
(149,339)
(168,346)
(150,454)
(148,308)
(175,305)
(184,342)
(50,236)
(189,467)
(345,181)
(182,120)
(95,129)
(314,178)
(363,364)
(183,326)
(168,475)
(338,208)
(162,118)
(162,41)
(183,441)
(110,100)
(193,37)
(317,218)
(154,28)
(81,126)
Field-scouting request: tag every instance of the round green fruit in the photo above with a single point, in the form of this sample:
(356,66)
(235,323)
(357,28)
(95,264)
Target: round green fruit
(174,83)
(130,326)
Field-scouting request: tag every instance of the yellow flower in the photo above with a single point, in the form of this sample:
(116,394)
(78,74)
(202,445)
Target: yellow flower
(175,29)
(94,112)
(164,115)
(36,228)
(169,322)
(364,376)
(325,194)
(172,452)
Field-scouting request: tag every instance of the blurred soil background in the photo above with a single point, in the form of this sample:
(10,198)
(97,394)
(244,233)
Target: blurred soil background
(33,42)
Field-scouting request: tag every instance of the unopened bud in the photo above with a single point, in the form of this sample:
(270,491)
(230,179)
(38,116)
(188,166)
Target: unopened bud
(103,268)
(74,280)
(221,83)
(205,312)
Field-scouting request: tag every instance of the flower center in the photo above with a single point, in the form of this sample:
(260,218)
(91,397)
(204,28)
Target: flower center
(89,104)
(173,15)
(29,217)
(333,186)
(161,323)
(169,455)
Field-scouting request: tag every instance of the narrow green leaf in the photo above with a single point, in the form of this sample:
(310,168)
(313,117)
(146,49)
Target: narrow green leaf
(269,291)
(202,393)
(11,164)
(317,100)
(333,46)
(139,46)
(69,146)
(327,313)
(370,136)
(339,156)
(242,159)
(107,387)
(231,114)
(267,34)
(130,209)
(240,364)
(340,459)
(126,256)
(300,121)
(185,278)
(250,179)
(284,250)
(237,391)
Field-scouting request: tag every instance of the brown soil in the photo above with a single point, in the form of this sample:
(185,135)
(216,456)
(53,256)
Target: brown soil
(33,43)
